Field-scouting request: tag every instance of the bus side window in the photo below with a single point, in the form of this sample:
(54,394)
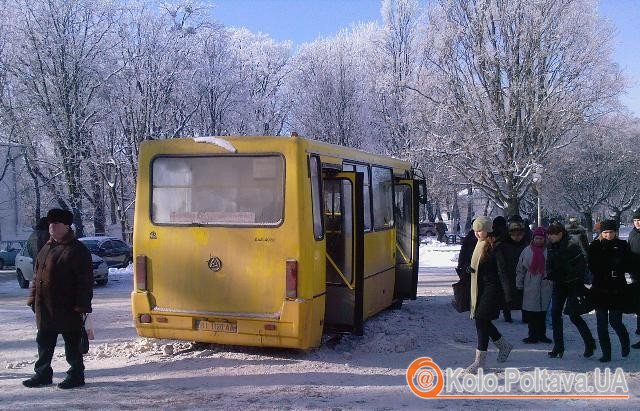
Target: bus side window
(316,197)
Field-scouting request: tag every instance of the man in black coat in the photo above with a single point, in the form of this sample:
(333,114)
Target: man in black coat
(510,251)
(60,294)
(634,269)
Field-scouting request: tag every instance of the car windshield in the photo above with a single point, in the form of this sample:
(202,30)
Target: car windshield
(92,245)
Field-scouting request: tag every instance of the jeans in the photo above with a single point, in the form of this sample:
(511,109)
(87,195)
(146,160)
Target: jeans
(486,330)
(46,345)
(558,299)
(613,317)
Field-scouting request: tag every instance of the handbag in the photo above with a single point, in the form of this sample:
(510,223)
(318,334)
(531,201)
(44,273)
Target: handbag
(462,294)
(579,302)
(84,338)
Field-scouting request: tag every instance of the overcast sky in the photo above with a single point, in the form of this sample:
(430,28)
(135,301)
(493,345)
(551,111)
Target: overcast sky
(305,20)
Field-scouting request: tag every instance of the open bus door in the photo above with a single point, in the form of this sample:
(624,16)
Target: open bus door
(407,239)
(344,224)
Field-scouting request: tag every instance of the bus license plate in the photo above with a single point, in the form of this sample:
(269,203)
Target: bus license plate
(217,326)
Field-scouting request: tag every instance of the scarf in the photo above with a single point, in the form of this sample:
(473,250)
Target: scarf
(537,260)
(475,263)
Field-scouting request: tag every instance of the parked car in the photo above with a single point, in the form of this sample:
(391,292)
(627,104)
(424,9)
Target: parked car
(115,252)
(24,269)
(427,228)
(8,252)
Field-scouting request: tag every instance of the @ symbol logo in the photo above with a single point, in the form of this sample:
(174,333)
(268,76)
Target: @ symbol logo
(425,378)
(214,263)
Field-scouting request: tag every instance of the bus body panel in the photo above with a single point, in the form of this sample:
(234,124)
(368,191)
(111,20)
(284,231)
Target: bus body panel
(249,291)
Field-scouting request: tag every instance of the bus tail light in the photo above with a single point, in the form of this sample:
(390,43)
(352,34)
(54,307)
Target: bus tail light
(292,278)
(141,272)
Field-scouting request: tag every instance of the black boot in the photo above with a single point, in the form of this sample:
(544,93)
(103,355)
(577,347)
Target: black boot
(589,348)
(541,328)
(533,335)
(626,346)
(507,316)
(71,382)
(636,345)
(37,381)
(605,346)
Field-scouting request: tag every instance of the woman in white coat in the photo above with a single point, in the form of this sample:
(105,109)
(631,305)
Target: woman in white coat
(530,277)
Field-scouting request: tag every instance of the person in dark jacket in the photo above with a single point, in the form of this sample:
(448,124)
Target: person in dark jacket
(528,235)
(441,230)
(509,254)
(466,251)
(634,270)
(609,259)
(60,294)
(500,230)
(38,239)
(565,266)
(489,292)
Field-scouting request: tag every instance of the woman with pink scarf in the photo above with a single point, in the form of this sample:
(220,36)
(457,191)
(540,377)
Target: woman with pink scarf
(530,277)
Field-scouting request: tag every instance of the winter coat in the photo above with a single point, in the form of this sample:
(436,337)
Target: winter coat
(62,287)
(537,289)
(609,261)
(565,262)
(36,241)
(508,261)
(493,288)
(634,246)
(466,251)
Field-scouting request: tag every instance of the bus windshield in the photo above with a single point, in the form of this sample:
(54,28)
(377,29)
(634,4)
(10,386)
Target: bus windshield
(218,190)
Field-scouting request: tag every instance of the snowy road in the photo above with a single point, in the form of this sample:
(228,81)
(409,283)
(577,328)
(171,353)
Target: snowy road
(126,372)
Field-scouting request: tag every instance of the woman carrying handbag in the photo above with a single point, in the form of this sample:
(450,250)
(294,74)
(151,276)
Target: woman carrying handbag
(609,260)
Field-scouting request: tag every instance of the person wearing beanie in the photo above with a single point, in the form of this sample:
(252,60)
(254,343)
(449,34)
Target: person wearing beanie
(60,295)
(634,246)
(565,266)
(536,288)
(609,259)
(509,254)
(487,293)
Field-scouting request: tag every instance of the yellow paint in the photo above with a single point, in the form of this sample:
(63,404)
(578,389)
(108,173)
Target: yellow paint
(250,287)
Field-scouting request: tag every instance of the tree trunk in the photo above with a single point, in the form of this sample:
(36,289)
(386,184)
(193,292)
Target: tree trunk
(513,207)
(587,217)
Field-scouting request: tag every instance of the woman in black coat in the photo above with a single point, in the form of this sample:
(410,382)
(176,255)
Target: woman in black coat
(489,293)
(565,266)
(609,260)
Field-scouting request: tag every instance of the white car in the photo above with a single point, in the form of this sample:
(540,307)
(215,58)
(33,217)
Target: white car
(24,269)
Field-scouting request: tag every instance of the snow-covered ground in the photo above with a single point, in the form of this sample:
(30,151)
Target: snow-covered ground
(127,372)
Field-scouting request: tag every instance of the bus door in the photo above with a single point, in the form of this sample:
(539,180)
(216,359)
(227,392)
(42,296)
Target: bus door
(407,239)
(344,228)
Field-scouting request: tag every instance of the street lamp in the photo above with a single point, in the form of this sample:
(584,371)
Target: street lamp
(537,178)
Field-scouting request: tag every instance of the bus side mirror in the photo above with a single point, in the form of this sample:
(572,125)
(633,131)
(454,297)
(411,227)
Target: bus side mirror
(422,191)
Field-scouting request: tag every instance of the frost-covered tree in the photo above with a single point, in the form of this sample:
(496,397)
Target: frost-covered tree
(516,79)
(329,99)
(395,61)
(58,70)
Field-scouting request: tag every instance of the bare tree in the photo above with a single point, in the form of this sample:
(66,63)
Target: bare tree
(517,78)
(58,67)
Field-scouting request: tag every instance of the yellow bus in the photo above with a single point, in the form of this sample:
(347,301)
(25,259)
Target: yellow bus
(269,241)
